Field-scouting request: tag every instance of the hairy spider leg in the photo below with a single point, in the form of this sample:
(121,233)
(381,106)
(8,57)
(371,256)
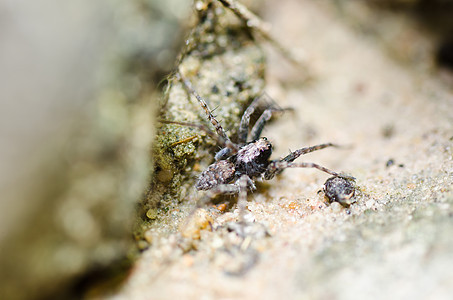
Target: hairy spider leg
(257,129)
(276,166)
(233,148)
(255,132)
(204,105)
(274,169)
(295,154)
(245,121)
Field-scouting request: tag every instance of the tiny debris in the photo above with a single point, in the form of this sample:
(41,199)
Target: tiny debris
(221,207)
(390,162)
(190,138)
(388,131)
(201,220)
(339,189)
(151,213)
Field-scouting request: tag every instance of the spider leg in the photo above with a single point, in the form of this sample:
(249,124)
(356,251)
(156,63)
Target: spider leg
(295,154)
(257,129)
(219,129)
(276,167)
(245,121)
(221,189)
(262,28)
(244,182)
(239,187)
(226,189)
(272,171)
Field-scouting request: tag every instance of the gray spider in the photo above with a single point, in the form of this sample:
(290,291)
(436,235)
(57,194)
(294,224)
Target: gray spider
(238,165)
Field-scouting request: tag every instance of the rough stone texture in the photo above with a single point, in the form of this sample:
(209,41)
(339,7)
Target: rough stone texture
(74,162)
(395,242)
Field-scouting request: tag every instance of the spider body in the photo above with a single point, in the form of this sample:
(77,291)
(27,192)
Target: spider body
(239,164)
(252,160)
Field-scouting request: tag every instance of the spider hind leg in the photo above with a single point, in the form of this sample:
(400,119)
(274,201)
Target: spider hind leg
(277,167)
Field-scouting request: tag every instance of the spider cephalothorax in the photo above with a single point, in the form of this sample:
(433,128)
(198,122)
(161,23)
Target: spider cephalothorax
(253,158)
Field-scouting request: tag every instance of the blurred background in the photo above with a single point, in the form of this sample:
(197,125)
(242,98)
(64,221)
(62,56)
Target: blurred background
(78,88)
(77,82)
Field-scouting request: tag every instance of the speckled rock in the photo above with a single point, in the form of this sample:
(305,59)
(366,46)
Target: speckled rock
(395,241)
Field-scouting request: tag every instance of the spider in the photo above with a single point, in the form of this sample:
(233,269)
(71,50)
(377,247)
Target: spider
(238,165)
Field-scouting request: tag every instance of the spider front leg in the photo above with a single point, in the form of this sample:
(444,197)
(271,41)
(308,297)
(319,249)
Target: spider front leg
(188,85)
(257,129)
(255,132)
(245,121)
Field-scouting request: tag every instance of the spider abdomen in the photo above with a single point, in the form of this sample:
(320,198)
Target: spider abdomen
(221,172)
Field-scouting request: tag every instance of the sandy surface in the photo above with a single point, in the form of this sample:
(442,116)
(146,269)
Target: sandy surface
(395,242)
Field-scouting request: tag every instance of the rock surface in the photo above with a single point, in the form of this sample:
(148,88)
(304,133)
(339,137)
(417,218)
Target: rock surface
(395,120)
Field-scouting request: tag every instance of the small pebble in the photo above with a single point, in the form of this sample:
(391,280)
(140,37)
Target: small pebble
(199,221)
(341,190)
(389,163)
(151,213)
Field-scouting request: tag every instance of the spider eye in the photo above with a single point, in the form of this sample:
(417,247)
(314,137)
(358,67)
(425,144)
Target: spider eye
(264,138)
